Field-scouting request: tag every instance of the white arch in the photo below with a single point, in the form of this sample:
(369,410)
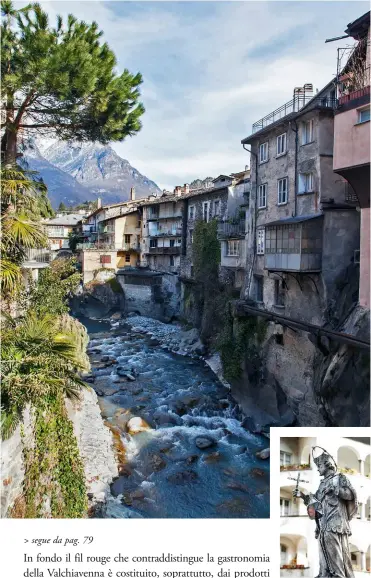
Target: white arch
(348,458)
(297,548)
(367,465)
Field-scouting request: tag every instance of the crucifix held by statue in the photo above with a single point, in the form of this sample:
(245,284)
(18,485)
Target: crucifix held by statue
(332,507)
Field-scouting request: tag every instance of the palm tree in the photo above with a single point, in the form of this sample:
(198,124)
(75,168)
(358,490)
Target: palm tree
(40,361)
(23,200)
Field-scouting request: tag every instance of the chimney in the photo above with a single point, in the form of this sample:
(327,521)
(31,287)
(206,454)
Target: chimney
(132,194)
(178,191)
(99,203)
(186,188)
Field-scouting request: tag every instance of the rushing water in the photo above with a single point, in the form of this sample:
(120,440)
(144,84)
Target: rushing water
(166,475)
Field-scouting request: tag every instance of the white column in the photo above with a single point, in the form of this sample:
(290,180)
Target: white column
(363,511)
(363,561)
(361,467)
(35,274)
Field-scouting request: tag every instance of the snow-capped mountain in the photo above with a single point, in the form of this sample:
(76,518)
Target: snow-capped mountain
(77,172)
(99,168)
(61,186)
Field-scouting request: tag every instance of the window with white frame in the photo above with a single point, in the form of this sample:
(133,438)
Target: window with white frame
(307,135)
(263,152)
(260,241)
(285,507)
(281,144)
(216,208)
(364,115)
(282,191)
(285,459)
(262,196)
(233,248)
(305,182)
(191,213)
(206,211)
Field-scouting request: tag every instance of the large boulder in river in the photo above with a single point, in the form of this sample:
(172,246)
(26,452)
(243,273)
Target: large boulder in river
(136,425)
(263,454)
(99,298)
(204,442)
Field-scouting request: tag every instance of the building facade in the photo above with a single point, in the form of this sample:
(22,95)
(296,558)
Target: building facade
(352,137)
(60,228)
(299,548)
(163,219)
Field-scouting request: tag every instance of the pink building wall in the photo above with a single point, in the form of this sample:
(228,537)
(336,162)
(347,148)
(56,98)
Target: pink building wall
(351,140)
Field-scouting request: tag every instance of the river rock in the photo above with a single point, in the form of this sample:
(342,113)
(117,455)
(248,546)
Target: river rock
(203,442)
(263,454)
(182,477)
(158,463)
(258,473)
(211,458)
(153,342)
(136,425)
(192,459)
(116,315)
(233,485)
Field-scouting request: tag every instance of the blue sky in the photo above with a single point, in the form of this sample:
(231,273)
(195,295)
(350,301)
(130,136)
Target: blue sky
(210,70)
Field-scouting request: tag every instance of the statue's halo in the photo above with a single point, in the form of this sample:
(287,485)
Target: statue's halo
(321,454)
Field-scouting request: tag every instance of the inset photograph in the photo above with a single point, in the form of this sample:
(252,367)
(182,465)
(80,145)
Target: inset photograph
(325,506)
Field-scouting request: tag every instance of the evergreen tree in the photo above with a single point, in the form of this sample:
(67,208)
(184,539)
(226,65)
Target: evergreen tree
(62,81)
(62,207)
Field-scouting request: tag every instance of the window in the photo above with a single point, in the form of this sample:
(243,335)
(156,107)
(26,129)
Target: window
(263,152)
(216,208)
(260,242)
(172,261)
(307,132)
(191,236)
(281,144)
(127,238)
(192,212)
(282,191)
(305,183)
(105,258)
(206,211)
(259,287)
(233,248)
(364,115)
(285,459)
(127,258)
(172,242)
(153,243)
(262,196)
(285,507)
(279,293)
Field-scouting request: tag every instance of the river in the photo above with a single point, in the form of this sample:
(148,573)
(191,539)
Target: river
(165,472)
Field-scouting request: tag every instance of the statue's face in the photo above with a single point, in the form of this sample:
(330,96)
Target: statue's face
(322,469)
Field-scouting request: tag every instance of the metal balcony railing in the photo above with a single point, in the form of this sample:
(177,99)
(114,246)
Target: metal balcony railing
(177,232)
(293,105)
(164,250)
(230,230)
(101,246)
(36,256)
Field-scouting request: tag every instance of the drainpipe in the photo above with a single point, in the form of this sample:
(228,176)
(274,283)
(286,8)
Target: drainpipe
(296,131)
(255,217)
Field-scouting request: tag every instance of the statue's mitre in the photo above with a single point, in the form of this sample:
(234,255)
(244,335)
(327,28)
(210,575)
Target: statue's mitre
(323,458)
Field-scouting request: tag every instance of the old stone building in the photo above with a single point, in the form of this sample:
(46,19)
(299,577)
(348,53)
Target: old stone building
(302,245)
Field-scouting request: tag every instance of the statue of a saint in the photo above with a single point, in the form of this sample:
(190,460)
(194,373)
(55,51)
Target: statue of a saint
(332,507)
